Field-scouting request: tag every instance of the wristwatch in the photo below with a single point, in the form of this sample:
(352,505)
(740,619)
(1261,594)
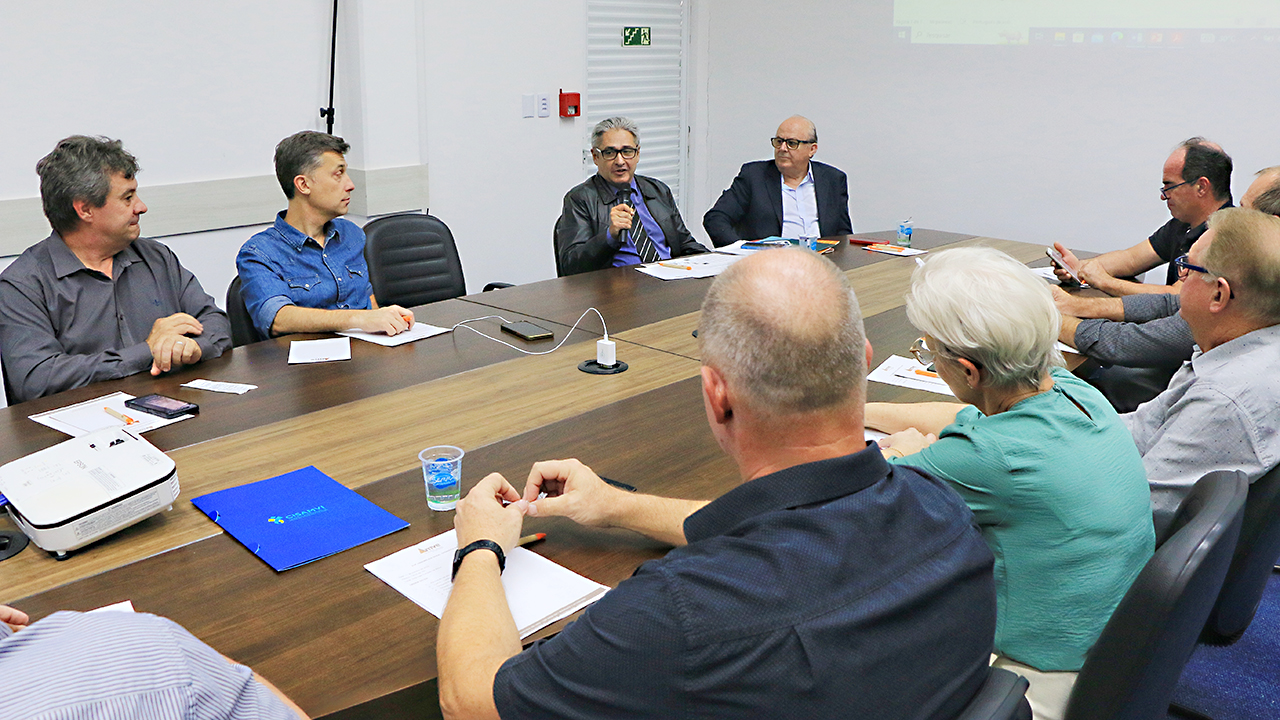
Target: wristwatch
(478,545)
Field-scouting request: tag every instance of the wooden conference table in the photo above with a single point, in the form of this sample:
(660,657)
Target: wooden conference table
(331,635)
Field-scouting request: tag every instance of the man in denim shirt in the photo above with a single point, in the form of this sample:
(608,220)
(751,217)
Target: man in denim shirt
(307,273)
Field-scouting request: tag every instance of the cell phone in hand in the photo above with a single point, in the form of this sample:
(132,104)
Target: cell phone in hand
(1061,262)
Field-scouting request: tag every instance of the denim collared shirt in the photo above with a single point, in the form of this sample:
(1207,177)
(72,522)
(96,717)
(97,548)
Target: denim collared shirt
(281,266)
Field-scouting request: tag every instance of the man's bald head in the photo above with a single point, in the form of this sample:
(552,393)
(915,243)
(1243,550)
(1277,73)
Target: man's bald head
(1264,194)
(784,328)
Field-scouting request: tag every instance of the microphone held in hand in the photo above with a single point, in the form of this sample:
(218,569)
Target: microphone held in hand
(624,198)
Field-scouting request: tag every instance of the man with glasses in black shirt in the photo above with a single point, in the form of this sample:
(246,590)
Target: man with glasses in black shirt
(793,196)
(617,217)
(1196,182)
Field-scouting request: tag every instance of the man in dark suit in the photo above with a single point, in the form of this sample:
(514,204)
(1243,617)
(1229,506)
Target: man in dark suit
(616,217)
(792,197)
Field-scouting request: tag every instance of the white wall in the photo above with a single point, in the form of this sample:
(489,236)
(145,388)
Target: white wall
(205,92)
(1026,143)
(497,179)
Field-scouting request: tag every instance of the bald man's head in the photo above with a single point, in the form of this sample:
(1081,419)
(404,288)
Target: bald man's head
(1263,194)
(784,328)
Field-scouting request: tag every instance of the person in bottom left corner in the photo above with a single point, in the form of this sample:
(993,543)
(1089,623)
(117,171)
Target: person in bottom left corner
(124,665)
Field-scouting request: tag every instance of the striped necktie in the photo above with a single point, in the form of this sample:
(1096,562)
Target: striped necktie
(645,248)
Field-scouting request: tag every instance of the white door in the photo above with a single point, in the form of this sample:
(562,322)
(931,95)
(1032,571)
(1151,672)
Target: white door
(645,83)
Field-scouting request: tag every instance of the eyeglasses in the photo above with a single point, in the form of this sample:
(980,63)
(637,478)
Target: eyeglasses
(610,153)
(1165,189)
(1184,267)
(789,142)
(927,356)
(922,353)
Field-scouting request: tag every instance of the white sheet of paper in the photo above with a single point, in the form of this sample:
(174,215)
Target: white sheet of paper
(691,266)
(890,249)
(222,387)
(539,592)
(1063,347)
(314,351)
(737,249)
(122,606)
(905,372)
(873,435)
(417,332)
(88,416)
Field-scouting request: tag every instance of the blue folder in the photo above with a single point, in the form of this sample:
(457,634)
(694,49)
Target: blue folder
(298,517)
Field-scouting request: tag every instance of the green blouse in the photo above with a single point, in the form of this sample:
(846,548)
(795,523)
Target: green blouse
(1061,497)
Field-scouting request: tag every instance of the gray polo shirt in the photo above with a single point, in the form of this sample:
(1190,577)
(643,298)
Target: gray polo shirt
(63,325)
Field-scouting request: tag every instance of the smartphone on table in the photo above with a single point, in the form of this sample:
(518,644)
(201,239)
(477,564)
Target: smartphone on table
(162,406)
(526,330)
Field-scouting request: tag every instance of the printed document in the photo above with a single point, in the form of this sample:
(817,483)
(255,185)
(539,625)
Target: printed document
(690,266)
(539,592)
(417,332)
(908,373)
(89,416)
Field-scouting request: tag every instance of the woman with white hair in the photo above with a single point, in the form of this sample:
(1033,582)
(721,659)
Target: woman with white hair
(1052,475)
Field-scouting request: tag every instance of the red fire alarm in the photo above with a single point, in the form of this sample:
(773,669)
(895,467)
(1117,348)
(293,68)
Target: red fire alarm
(570,104)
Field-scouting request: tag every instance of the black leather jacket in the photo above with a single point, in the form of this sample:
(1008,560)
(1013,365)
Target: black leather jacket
(582,239)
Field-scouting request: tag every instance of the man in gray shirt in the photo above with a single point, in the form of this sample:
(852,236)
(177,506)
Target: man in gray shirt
(1144,331)
(1219,412)
(93,301)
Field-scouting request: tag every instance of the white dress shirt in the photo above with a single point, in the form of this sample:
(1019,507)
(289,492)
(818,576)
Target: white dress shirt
(800,209)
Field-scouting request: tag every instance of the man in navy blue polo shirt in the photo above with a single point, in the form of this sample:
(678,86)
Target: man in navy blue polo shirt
(828,584)
(306,273)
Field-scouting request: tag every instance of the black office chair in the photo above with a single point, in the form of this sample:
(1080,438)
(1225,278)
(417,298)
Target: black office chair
(1002,697)
(1251,566)
(555,246)
(413,260)
(1131,671)
(242,330)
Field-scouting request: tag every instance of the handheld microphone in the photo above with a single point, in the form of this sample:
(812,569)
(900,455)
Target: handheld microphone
(624,198)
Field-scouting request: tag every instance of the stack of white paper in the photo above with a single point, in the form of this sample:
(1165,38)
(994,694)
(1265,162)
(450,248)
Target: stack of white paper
(539,592)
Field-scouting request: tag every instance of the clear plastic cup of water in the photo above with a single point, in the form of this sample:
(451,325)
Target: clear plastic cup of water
(442,472)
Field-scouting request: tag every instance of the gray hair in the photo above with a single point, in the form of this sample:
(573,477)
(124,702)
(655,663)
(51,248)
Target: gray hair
(982,305)
(1246,250)
(301,153)
(80,168)
(614,123)
(785,329)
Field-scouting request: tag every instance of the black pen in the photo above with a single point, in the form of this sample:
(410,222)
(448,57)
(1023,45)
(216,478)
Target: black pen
(622,485)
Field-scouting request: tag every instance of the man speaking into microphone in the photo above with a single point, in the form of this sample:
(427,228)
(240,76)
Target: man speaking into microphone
(616,217)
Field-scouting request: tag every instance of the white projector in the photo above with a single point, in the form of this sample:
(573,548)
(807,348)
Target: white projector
(69,495)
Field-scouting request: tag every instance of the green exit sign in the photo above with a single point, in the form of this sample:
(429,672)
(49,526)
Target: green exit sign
(635,36)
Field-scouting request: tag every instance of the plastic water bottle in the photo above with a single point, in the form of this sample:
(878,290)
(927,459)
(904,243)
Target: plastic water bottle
(904,233)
